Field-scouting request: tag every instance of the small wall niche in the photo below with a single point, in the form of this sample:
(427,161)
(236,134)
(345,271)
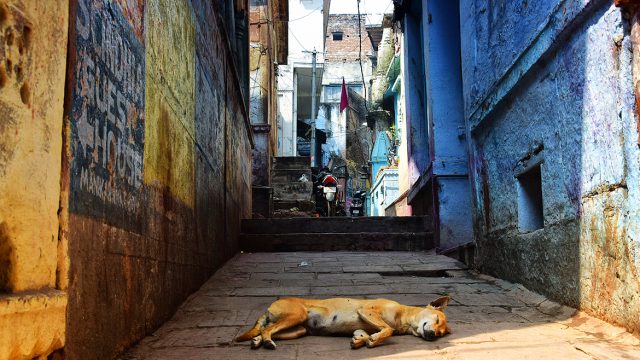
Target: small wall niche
(530,209)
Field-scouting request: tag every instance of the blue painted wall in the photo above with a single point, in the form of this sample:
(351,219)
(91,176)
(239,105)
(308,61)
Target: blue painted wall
(445,116)
(565,100)
(379,154)
(415,92)
(502,30)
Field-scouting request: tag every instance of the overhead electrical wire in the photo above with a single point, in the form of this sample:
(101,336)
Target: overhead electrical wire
(297,40)
(304,16)
(360,58)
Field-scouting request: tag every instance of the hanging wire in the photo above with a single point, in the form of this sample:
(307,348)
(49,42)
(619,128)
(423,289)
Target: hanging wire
(297,40)
(304,16)
(360,59)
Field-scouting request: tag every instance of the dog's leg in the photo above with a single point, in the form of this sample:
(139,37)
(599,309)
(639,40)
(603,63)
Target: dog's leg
(284,322)
(359,339)
(373,318)
(256,342)
(290,334)
(255,331)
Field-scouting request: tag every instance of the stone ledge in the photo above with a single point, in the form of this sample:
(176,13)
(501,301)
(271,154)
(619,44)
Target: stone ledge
(32,323)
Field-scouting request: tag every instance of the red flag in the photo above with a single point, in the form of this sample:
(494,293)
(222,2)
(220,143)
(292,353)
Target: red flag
(344,99)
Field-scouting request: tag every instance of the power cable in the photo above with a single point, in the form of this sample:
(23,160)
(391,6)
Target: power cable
(296,39)
(385,9)
(360,58)
(302,17)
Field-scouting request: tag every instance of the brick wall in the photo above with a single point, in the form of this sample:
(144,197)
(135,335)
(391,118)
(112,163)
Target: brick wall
(348,48)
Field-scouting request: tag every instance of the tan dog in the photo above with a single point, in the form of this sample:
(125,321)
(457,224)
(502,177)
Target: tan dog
(369,321)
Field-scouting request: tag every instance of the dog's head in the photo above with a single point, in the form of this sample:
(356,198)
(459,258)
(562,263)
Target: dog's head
(431,323)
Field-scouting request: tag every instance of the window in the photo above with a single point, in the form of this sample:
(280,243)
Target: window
(357,88)
(530,211)
(337,35)
(332,93)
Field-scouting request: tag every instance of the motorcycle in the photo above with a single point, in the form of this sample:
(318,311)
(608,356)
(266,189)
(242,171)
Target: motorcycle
(326,186)
(357,203)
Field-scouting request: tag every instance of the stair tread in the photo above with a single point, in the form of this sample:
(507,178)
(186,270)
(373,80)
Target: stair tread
(381,224)
(339,233)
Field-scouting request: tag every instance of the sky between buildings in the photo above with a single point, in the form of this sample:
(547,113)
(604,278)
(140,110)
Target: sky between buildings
(373,9)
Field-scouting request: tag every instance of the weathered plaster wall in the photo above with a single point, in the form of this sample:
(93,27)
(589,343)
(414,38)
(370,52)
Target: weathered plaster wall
(33,259)
(437,144)
(265,48)
(415,96)
(499,25)
(159,166)
(572,107)
(400,118)
(386,52)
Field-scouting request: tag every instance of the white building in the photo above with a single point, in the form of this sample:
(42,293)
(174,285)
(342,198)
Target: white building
(383,192)
(294,79)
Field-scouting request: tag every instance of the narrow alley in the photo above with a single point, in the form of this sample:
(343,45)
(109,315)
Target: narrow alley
(173,172)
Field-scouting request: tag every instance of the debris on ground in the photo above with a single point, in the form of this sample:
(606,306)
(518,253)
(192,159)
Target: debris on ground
(293,212)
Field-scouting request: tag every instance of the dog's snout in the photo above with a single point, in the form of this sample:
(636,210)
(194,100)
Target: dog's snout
(430,335)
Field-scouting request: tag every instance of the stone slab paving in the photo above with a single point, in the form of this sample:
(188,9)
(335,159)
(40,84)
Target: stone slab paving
(489,318)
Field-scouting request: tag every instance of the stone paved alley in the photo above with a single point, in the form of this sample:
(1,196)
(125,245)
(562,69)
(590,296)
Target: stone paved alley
(490,318)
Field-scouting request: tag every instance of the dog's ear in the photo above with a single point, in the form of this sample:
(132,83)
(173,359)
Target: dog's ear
(440,303)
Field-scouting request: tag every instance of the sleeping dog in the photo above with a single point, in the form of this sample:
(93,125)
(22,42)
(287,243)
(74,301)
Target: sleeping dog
(370,322)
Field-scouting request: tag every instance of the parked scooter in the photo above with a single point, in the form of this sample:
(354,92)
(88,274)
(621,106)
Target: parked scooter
(325,189)
(357,203)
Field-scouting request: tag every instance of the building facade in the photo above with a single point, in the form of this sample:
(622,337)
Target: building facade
(268,48)
(136,173)
(345,60)
(432,150)
(384,191)
(551,108)
(294,78)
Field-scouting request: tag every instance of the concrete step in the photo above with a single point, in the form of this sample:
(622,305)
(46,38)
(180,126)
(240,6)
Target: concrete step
(291,162)
(370,241)
(303,205)
(293,191)
(345,225)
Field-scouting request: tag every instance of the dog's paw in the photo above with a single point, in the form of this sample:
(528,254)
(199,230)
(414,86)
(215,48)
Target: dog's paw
(359,339)
(269,344)
(357,343)
(372,341)
(256,342)
(360,334)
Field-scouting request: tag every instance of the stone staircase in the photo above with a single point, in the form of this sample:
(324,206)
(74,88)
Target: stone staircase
(337,233)
(288,189)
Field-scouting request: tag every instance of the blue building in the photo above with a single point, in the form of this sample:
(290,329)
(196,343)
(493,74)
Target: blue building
(384,191)
(379,154)
(429,104)
(552,117)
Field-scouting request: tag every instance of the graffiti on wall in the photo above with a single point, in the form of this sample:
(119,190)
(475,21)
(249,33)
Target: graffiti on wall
(107,115)
(133,11)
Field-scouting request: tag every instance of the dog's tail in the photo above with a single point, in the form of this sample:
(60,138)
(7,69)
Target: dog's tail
(255,331)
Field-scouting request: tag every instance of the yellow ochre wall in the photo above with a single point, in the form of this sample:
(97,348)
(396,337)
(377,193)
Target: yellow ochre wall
(33,260)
